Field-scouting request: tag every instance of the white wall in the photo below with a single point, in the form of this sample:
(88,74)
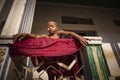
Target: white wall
(102,17)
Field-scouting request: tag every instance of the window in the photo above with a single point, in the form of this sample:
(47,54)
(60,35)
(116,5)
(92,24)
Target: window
(82,33)
(75,20)
(116,22)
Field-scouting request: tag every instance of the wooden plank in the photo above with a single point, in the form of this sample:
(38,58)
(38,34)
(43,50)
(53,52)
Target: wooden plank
(111,60)
(94,40)
(119,45)
(97,62)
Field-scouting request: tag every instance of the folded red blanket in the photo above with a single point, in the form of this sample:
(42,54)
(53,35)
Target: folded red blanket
(44,47)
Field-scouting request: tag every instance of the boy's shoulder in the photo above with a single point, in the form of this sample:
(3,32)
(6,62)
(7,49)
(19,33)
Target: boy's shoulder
(60,30)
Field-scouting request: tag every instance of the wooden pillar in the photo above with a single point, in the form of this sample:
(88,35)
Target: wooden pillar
(14,18)
(26,26)
(27,20)
(19,20)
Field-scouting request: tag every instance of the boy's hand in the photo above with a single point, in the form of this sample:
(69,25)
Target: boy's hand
(83,41)
(18,37)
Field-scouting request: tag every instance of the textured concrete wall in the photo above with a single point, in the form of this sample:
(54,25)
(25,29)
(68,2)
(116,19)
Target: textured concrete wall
(102,17)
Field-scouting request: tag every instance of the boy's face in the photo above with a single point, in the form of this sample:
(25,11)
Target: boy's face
(52,27)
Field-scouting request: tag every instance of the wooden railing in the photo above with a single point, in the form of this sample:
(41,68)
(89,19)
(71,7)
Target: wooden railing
(5,39)
(4,57)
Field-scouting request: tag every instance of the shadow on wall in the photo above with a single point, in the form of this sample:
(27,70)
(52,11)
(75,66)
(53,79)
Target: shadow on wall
(1,25)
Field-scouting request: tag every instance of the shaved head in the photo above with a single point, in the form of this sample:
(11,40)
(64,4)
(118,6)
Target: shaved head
(52,27)
(52,22)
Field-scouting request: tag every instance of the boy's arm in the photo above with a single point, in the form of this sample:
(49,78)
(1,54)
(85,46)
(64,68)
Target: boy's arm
(82,40)
(42,36)
(21,36)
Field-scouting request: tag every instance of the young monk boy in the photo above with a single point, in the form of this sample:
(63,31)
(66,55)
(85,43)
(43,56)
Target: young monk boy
(53,33)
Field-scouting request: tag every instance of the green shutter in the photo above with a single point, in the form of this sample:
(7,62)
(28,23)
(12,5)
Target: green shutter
(92,63)
(101,61)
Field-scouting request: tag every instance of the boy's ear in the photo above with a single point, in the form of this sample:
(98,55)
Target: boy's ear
(56,28)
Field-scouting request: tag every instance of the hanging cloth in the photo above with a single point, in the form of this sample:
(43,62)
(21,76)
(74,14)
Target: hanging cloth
(44,47)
